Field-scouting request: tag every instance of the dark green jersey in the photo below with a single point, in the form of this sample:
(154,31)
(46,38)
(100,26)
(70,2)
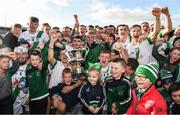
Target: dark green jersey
(36,80)
(93,53)
(166,95)
(164,63)
(118,92)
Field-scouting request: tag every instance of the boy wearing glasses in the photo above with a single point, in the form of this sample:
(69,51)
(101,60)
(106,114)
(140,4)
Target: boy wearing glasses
(146,98)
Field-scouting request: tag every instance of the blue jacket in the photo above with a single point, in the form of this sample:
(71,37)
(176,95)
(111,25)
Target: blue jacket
(92,95)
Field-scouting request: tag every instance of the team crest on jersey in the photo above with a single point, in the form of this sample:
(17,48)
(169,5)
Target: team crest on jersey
(120,93)
(29,76)
(98,97)
(38,73)
(87,90)
(109,89)
(149,104)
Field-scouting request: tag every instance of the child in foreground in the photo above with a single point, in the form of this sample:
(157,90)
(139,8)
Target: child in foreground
(118,88)
(92,94)
(146,98)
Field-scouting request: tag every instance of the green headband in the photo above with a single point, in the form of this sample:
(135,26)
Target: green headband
(94,65)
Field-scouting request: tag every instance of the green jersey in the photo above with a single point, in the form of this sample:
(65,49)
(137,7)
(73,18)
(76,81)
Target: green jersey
(118,92)
(93,53)
(36,80)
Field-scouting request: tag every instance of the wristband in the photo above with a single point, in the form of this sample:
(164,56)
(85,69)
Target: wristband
(51,47)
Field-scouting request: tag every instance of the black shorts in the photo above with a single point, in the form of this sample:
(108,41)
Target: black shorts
(6,105)
(38,106)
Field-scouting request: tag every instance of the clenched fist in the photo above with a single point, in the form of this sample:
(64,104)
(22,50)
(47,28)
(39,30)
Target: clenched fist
(156,12)
(165,11)
(54,37)
(76,17)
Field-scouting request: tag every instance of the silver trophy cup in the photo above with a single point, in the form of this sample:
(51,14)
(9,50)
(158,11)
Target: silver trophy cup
(76,58)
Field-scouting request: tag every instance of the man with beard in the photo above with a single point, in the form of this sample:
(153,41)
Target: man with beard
(18,80)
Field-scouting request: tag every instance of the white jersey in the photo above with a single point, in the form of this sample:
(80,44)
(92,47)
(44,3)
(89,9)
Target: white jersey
(123,44)
(105,72)
(20,98)
(142,52)
(56,74)
(31,38)
(128,41)
(69,48)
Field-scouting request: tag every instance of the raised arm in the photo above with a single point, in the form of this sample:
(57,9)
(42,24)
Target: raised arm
(122,52)
(76,27)
(51,49)
(156,12)
(15,63)
(168,27)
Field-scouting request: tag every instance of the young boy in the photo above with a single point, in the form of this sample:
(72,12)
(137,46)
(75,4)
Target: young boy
(104,59)
(170,63)
(68,100)
(175,93)
(131,68)
(132,64)
(118,88)
(92,94)
(36,81)
(146,98)
(6,103)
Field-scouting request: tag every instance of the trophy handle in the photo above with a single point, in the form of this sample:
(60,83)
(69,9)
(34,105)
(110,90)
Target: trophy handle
(68,55)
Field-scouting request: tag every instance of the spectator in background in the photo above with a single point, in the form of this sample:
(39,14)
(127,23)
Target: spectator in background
(112,29)
(82,31)
(176,34)
(145,28)
(131,67)
(175,93)
(24,43)
(66,34)
(167,80)
(90,28)
(93,49)
(46,27)
(109,41)
(56,28)
(170,63)
(11,38)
